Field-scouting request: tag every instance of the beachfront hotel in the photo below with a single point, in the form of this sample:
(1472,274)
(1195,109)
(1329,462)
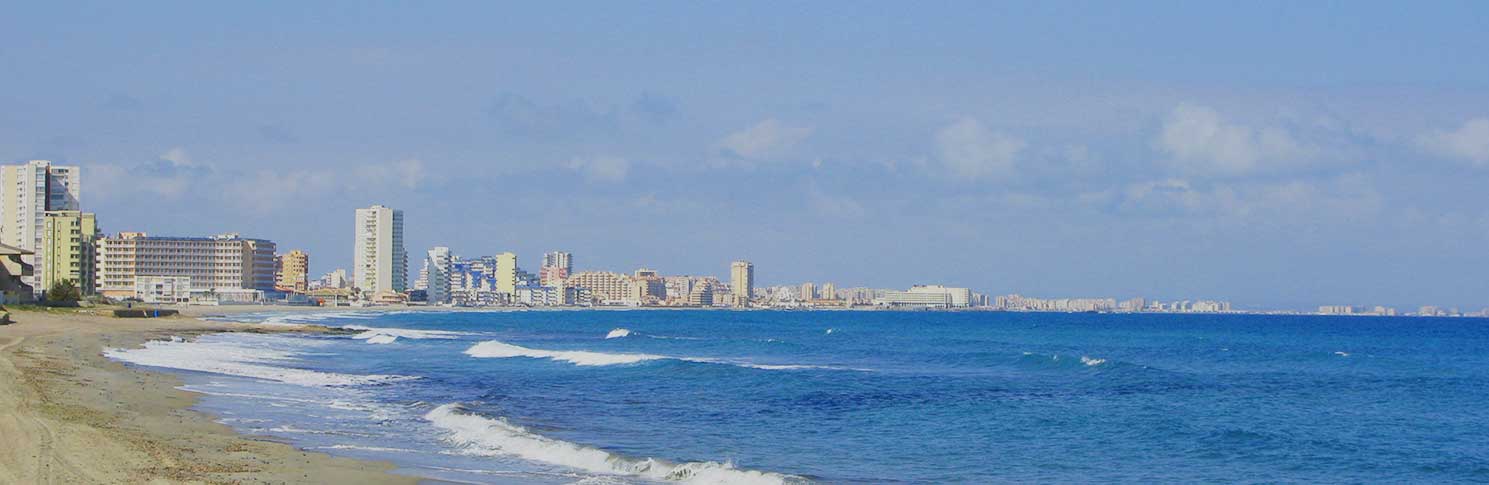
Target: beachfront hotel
(27,192)
(68,250)
(379,262)
(221,263)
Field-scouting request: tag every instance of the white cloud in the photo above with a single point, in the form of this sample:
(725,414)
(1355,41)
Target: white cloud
(766,139)
(601,169)
(1342,198)
(971,151)
(1469,142)
(833,206)
(1204,144)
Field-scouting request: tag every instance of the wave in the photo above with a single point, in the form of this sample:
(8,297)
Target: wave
(618,333)
(497,349)
(376,335)
(502,350)
(480,435)
(232,359)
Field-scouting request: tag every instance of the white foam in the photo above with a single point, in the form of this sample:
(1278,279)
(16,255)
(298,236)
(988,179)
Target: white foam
(491,437)
(1342,354)
(497,349)
(408,333)
(232,359)
(829,332)
(1093,362)
(382,339)
(618,333)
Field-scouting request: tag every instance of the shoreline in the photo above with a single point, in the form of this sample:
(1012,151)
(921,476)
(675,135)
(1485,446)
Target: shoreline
(71,415)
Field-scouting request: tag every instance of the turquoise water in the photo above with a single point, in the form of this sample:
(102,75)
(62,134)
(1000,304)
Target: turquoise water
(862,397)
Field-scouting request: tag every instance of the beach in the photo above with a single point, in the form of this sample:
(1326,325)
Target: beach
(69,415)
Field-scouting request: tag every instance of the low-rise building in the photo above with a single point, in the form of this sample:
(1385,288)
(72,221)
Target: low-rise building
(221,262)
(163,289)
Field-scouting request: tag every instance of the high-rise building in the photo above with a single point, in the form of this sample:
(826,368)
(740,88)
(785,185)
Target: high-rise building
(293,271)
(68,250)
(439,264)
(379,261)
(506,273)
(27,192)
(742,281)
(335,279)
(648,287)
(221,262)
(808,292)
(557,265)
(829,291)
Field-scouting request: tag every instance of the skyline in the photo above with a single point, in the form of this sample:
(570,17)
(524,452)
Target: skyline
(1285,164)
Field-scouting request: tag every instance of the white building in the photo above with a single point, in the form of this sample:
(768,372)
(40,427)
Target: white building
(379,262)
(914,299)
(956,297)
(162,289)
(438,264)
(27,192)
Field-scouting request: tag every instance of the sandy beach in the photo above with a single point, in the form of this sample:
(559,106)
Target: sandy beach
(69,415)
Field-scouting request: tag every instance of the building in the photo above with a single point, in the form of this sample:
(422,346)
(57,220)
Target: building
(162,289)
(807,292)
(702,294)
(956,297)
(605,286)
(27,192)
(742,281)
(557,265)
(14,272)
(910,299)
(829,291)
(221,262)
(438,264)
(292,273)
(379,262)
(335,279)
(647,287)
(506,274)
(69,250)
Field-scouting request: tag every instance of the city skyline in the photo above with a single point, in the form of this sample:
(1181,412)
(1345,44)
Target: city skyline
(1046,153)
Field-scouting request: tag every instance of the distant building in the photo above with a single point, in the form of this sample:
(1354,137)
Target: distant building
(557,265)
(605,286)
(808,292)
(221,262)
(438,264)
(702,294)
(908,299)
(69,240)
(506,273)
(336,279)
(27,192)
(956,297)
(379,262)
(648,288)
(292,272)
(829,291)
(742,281)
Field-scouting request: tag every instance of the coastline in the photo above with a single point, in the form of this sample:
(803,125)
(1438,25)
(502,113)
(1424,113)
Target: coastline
(70,415)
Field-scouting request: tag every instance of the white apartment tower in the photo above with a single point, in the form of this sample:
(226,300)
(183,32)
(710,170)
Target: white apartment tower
(439,264)
(27,192)
(379,262)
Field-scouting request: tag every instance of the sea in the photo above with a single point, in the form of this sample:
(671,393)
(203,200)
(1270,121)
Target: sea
(662,396)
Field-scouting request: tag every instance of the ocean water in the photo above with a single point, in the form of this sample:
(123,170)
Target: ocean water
(860,397)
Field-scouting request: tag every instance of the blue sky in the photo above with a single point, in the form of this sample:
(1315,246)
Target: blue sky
(1283,154)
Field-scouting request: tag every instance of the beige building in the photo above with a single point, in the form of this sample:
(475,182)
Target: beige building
(506,273)
(742,281)
(648,287)
(808,292)
(221,262)
(603,285)
(292,271)
(379,262)
(27,192)
(68,240)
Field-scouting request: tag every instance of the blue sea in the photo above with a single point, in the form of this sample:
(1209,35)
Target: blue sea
(859,397)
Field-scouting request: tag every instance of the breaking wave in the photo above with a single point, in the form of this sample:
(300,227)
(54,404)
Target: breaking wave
(618,333)
(502,350)
(239,360)
(374,335)
(484,436)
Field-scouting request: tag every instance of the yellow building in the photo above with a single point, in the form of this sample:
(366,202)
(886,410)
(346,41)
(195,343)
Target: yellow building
(506,273)
(742,281)
(291,271)
(69,255)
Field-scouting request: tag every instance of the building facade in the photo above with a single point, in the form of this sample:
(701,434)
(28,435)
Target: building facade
(27,192)
(605,286)
(379,262)
(69,252)
(292,273)
(506,273)
(742,281)
(221,262)
(438,264)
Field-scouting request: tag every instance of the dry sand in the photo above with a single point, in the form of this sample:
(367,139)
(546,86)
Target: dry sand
(69,415)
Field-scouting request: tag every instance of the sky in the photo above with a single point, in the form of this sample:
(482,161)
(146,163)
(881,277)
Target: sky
(1275,154)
